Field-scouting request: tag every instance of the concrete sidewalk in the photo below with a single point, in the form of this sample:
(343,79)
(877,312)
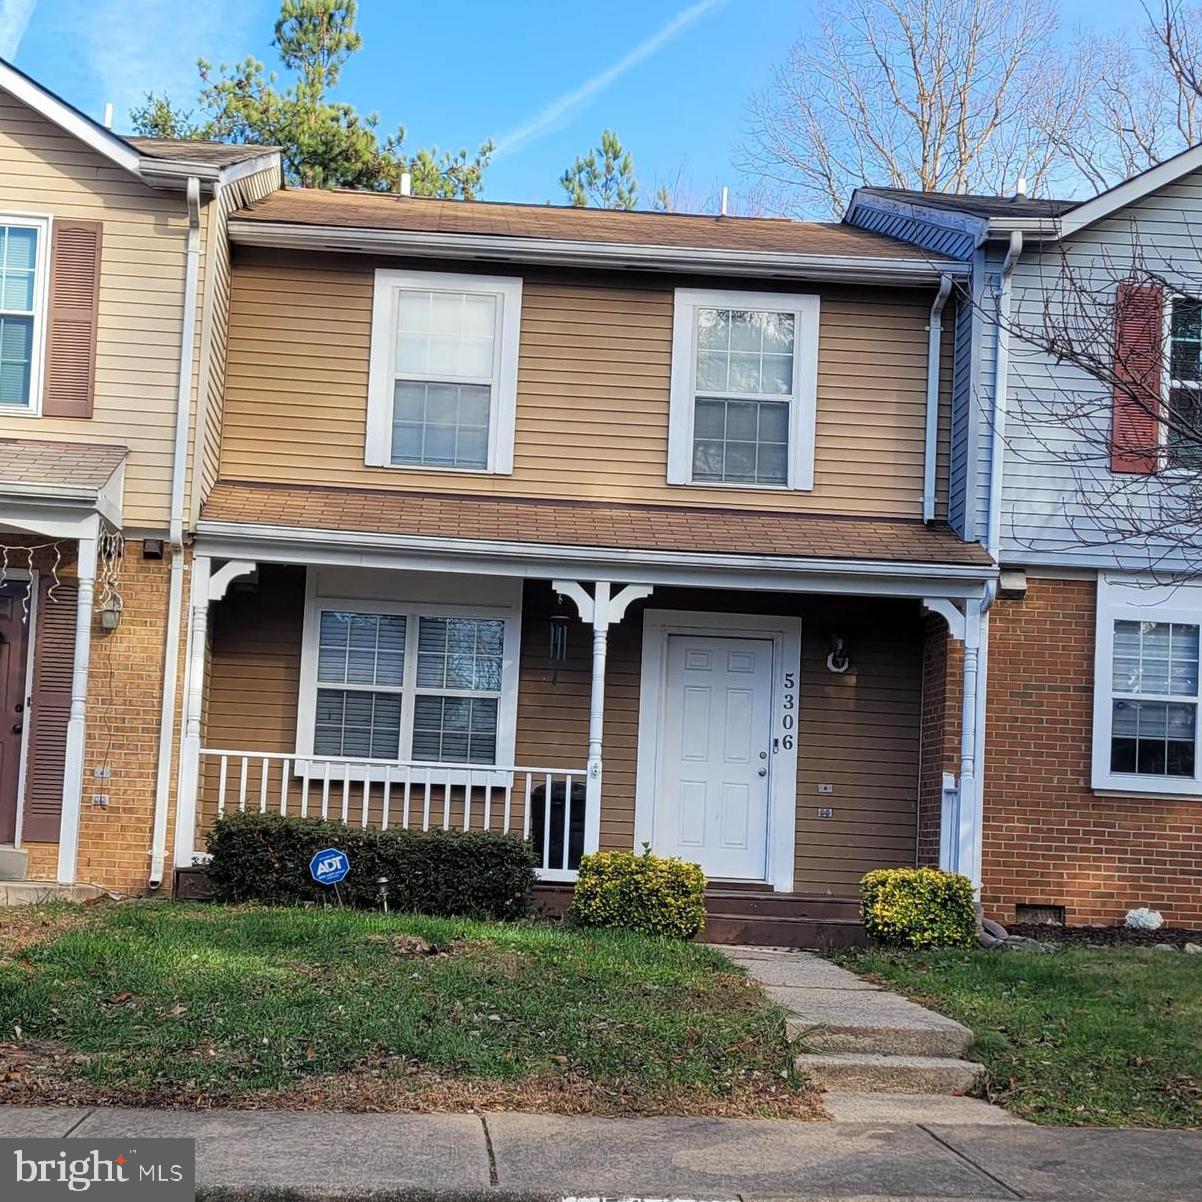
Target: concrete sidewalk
(253,1154)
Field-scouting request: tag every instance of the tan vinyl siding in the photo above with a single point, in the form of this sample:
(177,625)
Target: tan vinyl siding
(593,380)
(45,171)
(210,376)
(858,732)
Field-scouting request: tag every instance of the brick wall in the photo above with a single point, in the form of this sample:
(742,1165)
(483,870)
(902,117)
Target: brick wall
(124,699)
(1048,838)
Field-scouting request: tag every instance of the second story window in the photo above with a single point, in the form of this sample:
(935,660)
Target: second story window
(1183,433)
(443,381)
(744,383)
(22,285)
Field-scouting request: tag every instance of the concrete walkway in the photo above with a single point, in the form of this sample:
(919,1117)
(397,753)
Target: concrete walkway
(881,1057)
(249,1155)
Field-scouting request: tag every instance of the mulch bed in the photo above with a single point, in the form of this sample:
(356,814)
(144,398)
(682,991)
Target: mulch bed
(1109,936)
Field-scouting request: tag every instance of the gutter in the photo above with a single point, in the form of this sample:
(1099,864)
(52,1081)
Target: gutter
(930,453)
(175,592)
(568,252)
(225,539)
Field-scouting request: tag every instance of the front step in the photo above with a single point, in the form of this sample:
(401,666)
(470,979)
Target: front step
(862,1072)
(781,932)
(38,893)
(881,1040)
(14,864)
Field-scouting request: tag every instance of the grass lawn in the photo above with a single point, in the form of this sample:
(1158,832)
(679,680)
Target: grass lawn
(160,1003)
(1108,1037)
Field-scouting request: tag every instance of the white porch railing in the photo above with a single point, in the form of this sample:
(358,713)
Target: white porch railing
(545,805)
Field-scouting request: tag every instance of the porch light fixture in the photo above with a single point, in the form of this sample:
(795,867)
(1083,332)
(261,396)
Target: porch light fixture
(839,659)
(152,548)
(110,613)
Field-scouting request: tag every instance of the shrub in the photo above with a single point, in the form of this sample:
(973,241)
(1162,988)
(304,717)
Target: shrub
(265,858)
(918,907)
(646,893)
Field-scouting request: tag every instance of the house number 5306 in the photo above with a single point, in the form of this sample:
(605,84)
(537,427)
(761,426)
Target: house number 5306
(789,705)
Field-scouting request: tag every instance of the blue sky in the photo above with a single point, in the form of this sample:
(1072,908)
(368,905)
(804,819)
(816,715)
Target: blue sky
(671,76)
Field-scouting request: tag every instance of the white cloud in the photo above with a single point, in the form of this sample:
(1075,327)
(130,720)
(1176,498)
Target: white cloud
(14,19)
(563,106)
(131,47)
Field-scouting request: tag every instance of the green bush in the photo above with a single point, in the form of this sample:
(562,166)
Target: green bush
(918,907)
(265,858)
(646,893)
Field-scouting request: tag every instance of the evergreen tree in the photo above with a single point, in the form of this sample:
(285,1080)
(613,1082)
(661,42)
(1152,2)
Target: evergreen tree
(323,143)
(604,178)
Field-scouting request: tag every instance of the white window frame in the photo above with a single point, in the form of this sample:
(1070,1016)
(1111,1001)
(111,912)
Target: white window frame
(412,610)
(41,303)
(1132,598)
(1166,465)
(803,401)
(502,409)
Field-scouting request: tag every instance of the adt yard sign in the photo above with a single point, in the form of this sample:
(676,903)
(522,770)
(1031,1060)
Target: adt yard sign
(329,867)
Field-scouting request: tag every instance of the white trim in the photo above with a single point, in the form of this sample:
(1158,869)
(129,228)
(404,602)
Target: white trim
(867,269)
(1134,598)
(785,634)
(32,576)
(455,602)
(44,225)
(22,88)
(802,400)
(1131,190)
(283,544)
(503,382)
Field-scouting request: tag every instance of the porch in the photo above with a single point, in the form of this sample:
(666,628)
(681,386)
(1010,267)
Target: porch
(773,734)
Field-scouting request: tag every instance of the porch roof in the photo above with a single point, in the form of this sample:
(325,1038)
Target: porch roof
(659,528)
(45,481)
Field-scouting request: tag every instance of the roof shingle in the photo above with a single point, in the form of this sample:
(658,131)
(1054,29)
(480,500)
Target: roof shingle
(193,150)
(388,211)
(29,461)
(976,204)
(663,528)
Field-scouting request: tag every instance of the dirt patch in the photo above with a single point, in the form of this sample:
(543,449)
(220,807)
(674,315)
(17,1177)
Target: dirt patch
(395,1087)
(1105,936)
(23,927)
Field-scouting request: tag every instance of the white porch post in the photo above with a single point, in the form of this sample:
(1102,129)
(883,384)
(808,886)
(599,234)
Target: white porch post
(961,821)
(600,609)
(73,757)
(596,718)
(968,857)
(194,670)
(207,586)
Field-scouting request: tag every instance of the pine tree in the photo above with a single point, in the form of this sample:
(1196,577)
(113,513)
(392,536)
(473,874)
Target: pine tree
(323,143)
(604,178)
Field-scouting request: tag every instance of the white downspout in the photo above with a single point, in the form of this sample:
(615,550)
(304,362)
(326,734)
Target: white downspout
(972,845)
(934,340)
(175,593)
(1001,366)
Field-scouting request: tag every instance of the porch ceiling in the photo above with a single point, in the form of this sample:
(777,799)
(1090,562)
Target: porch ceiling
(741,535)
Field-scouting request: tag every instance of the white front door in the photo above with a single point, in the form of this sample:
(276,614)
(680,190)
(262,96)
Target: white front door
(715,759)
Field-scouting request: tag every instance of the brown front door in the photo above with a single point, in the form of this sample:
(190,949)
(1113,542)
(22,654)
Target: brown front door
(14,645)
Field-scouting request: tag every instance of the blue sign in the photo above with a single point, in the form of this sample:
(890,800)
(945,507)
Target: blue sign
(329,867)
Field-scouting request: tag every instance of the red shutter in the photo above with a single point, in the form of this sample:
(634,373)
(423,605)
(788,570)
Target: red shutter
(1138,375)
(74,306)
(53,660)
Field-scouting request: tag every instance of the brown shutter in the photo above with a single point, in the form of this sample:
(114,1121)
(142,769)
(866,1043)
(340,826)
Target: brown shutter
(71,332)
(1138,372)
(54,656)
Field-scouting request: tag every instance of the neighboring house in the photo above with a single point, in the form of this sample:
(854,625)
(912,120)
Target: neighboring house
(1093,780)
(603,527)
(112,298)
